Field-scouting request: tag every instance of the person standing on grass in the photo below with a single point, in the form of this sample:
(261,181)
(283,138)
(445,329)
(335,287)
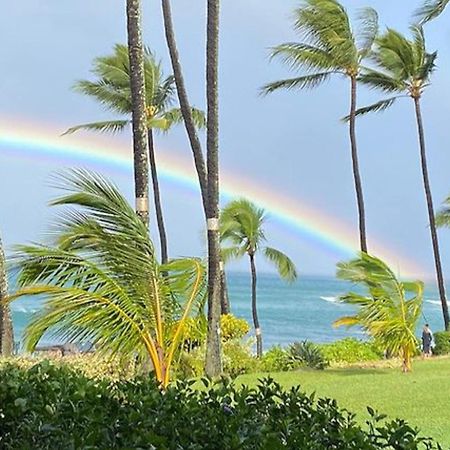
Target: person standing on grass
(427,341)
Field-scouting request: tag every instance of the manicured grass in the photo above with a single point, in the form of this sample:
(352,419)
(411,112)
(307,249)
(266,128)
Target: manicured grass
(421,397)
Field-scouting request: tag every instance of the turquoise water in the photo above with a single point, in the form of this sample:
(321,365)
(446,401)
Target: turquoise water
(288,313)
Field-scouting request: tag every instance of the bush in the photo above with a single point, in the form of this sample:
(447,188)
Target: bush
(238,359)
(307,354)
(442,341)
(233,328)
(50,407)
(276,359)
(351,350)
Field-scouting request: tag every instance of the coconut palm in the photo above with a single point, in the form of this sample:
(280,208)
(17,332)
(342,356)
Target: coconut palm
(404,69)
(102,282)
(6,328)
(431,9)
(137,87)
(389,310)
(213,358)
(242,233)
(329,47)
(112,90)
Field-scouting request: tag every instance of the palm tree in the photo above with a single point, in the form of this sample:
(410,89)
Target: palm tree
(6,328)
(329,46)
(431,9)
(102,282)
(385,312)
(242,233)
(112,90)
(405,69)
(137,87)
(213,365)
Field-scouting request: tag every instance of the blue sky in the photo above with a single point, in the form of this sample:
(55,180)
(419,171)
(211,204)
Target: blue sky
(292,142)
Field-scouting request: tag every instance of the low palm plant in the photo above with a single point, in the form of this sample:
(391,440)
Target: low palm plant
(385,311)
(112,90)
(102,282)
(242,233)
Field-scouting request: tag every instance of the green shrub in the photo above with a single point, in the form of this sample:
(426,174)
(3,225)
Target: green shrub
(233,328)
(442,341)
(238,358)
(307,354)
(351,350)
(49,407)
(276,359)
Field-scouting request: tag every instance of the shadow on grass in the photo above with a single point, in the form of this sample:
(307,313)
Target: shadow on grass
(357,371)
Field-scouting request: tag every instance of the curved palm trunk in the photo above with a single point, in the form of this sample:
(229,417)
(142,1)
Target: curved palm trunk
(356,174)
(258,333)
(137,85)
(184,103)
(157,199)
(213,364)
(6,328)
(431,216)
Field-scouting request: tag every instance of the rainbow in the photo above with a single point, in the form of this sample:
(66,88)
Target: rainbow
(38,141)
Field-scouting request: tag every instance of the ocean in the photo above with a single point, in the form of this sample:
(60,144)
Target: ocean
(305,309)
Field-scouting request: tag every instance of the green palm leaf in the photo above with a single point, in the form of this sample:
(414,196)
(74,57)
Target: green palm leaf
(431,9)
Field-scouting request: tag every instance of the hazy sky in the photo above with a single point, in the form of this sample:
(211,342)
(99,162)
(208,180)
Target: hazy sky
(292,142)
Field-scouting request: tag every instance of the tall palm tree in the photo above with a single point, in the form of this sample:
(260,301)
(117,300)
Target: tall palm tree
(102,282)
(329,47)
(139,120)
(6,328)
(112,90)
(242,233)
(404,69)
(431,9)
(385,312)
(213,365)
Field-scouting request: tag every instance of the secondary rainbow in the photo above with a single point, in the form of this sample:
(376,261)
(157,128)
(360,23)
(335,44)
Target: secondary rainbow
(38,142)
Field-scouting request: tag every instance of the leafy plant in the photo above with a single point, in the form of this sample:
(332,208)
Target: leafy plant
(308,354)
(232,327)
(351,350)
(276,359)
(102,282)
(442,341)
(385,312)
(49,407)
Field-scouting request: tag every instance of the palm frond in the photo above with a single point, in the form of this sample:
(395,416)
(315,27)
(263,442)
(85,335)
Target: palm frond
(380,106)
(368,31)
(305,82)
(284,265)
(431,9)
(110,126)
(381,81)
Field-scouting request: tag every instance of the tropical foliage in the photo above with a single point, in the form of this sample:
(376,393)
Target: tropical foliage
(404,68)
(388,311)
(329,47)
(431,9)
(102,282)
(242,233)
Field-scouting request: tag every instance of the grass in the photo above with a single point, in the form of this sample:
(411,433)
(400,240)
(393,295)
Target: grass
(421,397)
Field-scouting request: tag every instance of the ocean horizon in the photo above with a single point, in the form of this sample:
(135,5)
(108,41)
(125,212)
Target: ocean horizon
(305,309)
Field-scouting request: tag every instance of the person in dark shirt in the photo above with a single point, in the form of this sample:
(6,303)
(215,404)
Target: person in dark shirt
(427,341)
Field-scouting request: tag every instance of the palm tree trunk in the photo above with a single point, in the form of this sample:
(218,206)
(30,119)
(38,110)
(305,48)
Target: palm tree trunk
(157,199)
(224,299)
(185,106)
(137,85)
(213,364)
(431,216)
(356,174)
(6,328)
(259,347)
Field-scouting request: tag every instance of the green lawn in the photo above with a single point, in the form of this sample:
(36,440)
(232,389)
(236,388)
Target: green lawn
(421,397)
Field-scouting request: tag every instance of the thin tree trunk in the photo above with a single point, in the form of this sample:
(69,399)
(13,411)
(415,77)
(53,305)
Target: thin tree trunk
(6,327)
(185,106)
(213,366)
(258,332)
(224,299)
(139,117)
(356,174)
(157,199)
(431,216)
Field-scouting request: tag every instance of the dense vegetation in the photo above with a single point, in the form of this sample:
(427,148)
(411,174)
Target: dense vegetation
(50,407)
